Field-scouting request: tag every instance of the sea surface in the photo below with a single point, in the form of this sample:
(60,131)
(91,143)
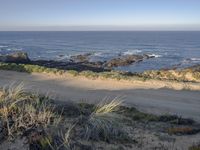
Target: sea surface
(171,49)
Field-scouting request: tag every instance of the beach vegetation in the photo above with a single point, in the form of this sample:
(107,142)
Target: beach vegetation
(103,124)
(185,75)
(195,146)
(47,124)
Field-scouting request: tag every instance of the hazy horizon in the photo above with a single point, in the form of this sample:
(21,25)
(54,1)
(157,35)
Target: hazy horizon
(104,15)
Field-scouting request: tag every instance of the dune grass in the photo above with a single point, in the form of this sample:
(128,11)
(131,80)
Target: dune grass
(35,116)
(21,111)
(185,75)
(47,126)
(103,124)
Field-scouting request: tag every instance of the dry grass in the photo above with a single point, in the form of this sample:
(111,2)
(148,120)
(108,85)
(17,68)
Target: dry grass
(21,111)
(26,114)
(102,123)
(195,147)
(38,120)
(182,130)
(185,75)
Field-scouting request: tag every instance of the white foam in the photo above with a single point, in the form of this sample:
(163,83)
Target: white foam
(131,52)
(1,46)
(191,60)
(98,54)
(17,49)
(63,57)
(155,55)
(50,52)
(195,59)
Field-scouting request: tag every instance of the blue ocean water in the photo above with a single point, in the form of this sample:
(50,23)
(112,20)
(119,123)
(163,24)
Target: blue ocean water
(170,48)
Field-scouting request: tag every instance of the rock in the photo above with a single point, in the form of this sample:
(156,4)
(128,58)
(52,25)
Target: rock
(126,60)
(61,55)
(81,57)
(19,57)
(78,66)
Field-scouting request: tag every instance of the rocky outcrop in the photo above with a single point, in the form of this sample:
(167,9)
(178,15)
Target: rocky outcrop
(126,60)
(78,62)
(19,57)
(81,57)
(70,65)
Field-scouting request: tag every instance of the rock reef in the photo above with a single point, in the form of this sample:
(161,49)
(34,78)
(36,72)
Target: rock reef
(79,62)
(19,57)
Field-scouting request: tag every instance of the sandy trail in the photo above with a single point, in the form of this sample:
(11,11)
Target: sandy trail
(158,101)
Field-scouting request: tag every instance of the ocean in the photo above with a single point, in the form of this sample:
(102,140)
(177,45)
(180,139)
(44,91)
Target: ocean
(171,49)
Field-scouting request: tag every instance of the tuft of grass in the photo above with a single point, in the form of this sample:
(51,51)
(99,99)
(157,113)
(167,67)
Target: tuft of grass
(136,115)
(29,68)
(102,124)
(21,111)
(73,72)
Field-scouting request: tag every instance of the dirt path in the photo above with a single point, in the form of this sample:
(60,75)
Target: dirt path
(181,102)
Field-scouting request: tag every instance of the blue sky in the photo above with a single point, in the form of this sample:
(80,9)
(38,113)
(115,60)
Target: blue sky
(99,14)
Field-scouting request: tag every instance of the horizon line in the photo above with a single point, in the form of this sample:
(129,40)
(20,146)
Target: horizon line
(99,30)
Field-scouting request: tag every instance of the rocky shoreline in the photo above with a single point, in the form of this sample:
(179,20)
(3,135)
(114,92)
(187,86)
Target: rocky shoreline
(81,65)
(77,62)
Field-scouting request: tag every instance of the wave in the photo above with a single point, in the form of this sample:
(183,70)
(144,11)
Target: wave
(63,57)
(98,54)
(50,52)
(131,52)
(191,61)
(154,55)
(1,46)
(195,59)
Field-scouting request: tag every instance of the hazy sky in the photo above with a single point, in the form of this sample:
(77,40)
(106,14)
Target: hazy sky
(99,14)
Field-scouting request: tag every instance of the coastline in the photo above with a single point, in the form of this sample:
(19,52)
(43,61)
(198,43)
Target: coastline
(187,79)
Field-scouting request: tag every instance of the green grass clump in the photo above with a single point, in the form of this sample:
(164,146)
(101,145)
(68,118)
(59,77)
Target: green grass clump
(29,68)
(89,74)
(136,115)
(73,72)
(185,75)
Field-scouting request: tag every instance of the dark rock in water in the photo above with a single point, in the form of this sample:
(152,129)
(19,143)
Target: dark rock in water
(19,57)
(61,55)
(78,66)
(81,57)
(126,60)
(77,62)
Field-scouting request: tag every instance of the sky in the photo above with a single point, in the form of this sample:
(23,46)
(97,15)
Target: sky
(58,15)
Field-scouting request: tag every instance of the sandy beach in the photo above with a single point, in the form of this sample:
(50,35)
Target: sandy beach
(145,96)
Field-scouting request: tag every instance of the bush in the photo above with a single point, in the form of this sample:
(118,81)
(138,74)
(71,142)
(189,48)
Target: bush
(21,111)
